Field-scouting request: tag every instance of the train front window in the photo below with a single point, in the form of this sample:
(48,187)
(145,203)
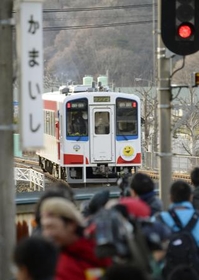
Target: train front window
(126,117)
(102,123)
(77,117)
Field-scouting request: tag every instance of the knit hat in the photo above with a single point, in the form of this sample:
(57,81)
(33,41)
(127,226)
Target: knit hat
(61,207)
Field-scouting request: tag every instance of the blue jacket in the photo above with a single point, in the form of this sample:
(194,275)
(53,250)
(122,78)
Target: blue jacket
(184,215)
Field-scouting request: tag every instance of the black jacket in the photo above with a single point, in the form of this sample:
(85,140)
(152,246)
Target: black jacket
(195,201)
(153,201)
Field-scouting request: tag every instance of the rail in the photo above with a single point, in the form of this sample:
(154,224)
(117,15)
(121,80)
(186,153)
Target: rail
(37,177)
(155,175)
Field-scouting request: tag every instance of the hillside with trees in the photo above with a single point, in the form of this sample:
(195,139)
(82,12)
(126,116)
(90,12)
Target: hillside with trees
(125,51)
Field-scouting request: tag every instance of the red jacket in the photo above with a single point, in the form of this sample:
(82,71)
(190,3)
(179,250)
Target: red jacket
(75,259)
(136,207)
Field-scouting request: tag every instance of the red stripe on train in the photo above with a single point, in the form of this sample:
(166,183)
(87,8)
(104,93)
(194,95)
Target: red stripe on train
(74,159)
(50,105)
(137,159)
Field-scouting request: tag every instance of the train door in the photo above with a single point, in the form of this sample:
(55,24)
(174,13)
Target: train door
(57,135)
(102,134)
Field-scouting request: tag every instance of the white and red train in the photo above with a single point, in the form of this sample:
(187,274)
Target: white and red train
(90,137)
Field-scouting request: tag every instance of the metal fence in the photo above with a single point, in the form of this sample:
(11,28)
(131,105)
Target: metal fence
(36,179)
(180,163)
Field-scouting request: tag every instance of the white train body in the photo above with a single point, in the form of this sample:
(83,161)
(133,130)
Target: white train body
(91,136)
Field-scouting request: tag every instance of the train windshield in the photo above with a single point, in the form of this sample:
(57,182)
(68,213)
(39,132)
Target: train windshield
(77,117)
(102,123)
(126,117)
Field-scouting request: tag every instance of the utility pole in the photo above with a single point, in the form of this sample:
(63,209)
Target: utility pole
(164,106)
(154,41)
(7,188)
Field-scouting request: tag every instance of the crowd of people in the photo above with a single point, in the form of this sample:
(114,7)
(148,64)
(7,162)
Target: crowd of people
(114,239)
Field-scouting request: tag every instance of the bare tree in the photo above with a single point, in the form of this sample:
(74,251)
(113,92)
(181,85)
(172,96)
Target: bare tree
(148,111)
(187,122)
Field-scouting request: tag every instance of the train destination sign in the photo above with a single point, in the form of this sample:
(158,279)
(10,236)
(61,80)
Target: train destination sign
(101,99)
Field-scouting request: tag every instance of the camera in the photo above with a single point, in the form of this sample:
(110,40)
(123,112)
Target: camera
(123,238)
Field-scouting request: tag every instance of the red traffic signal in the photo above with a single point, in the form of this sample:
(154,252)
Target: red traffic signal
(185,31)
(180,25)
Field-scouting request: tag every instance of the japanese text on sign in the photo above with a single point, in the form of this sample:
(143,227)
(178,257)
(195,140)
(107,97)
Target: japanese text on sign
(30,55)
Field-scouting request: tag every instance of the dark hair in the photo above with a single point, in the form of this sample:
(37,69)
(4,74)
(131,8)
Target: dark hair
(57,190)
(195,176)
(38,255)
(79,231)
(180,191)
(142,184)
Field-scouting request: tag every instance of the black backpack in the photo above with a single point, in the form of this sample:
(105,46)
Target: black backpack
(182,257)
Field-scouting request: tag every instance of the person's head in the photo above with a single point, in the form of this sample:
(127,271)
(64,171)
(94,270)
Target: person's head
(79,114)
(35,259)
(57,190)
(85,115)
(195,176)
(141,184)
(180,191)
(61,221)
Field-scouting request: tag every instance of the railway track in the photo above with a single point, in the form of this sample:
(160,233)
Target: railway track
(34,164)
(28,163)
(175,176)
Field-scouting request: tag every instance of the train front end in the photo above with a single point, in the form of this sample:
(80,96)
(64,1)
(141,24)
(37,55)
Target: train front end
(100,136)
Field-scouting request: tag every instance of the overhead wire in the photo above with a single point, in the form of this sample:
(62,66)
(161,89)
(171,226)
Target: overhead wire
(88,9)
(59,28)
(95,17)
(178,69)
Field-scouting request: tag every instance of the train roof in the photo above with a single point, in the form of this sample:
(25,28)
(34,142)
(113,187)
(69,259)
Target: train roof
(56,96)
(59,96)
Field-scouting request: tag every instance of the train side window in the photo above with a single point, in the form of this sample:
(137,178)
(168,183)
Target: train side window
(77,117)
(102,123)
(126,117)
(77,123)
(49,122)
(44,121)
(52,124)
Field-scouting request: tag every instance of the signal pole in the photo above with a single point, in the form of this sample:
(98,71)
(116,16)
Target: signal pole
(7,188)
(164,111)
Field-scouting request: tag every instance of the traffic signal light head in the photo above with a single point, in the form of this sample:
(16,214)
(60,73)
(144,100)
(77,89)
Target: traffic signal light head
(180,25)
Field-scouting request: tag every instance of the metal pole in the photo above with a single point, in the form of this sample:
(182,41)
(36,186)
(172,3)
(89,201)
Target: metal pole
(164,105)
(7,188)
(155,144)
(155,135)
(154,41)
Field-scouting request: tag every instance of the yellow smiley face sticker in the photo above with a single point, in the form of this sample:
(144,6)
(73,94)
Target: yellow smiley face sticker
(128,151)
